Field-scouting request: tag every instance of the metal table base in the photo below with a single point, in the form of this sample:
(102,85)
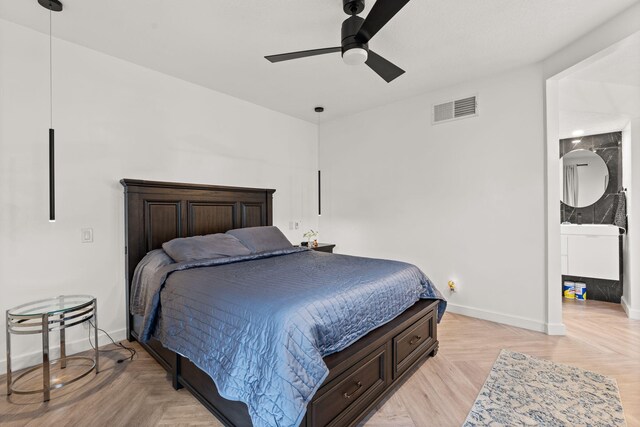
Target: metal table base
(42,317)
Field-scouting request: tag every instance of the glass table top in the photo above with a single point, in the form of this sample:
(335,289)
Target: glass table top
(57,305)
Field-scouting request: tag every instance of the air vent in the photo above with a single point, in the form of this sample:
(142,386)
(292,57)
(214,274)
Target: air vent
(454,110)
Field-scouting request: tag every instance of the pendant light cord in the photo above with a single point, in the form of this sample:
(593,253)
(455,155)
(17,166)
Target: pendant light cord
(52,5)
(50,72)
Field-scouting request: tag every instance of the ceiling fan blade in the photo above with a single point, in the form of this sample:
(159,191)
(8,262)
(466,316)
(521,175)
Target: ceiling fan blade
(302,54)
(383,68)
(381,13)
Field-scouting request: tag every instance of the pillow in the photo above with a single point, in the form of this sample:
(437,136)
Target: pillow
(204,247)
(261,239)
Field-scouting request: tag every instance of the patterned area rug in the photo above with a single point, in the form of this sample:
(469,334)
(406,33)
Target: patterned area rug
(524,391)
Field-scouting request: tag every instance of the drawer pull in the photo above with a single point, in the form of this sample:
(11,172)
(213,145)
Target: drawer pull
(415,339)
(350,395)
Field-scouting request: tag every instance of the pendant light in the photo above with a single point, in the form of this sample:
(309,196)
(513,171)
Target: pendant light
(52,6)
(319,110)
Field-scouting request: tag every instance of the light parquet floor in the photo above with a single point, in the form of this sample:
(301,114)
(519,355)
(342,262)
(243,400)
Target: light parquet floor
(440,393)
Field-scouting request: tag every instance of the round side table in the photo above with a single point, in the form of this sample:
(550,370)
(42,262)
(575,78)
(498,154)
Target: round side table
(42,317)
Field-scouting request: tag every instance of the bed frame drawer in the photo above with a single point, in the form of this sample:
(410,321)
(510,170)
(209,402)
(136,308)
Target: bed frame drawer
(165,356)
(410,344)
(344,398)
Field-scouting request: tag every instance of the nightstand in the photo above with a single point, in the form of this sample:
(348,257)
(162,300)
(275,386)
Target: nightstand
(322,247)
(42,317)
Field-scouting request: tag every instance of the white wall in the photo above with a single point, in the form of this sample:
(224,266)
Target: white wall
(462,200)
(627,173)
(631,180)
(114,120)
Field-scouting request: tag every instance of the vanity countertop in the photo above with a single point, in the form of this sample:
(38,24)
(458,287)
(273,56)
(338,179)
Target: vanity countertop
(590,229)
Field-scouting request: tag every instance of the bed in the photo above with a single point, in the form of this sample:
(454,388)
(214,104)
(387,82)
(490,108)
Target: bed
(356,375)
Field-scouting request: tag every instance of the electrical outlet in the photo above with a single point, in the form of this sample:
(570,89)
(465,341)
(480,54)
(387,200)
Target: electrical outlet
(290,225)
(86,235)
(297,224)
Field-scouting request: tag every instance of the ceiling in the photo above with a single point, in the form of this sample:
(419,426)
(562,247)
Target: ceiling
(220,44)
(619,65)
(603,93)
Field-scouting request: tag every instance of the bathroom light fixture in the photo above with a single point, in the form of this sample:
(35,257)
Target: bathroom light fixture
(52,6)
(576,141)
(577,132)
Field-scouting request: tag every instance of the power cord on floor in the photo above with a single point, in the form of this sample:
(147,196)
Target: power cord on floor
(131,350)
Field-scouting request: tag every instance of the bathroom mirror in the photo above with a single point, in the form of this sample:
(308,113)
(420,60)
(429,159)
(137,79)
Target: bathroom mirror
(585,178)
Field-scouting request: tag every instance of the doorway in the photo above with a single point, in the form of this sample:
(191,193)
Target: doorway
(593,114)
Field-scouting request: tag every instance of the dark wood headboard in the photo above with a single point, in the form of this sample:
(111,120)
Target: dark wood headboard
(156,212)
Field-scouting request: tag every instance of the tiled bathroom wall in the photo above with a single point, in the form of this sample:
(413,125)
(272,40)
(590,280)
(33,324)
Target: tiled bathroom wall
(609,147)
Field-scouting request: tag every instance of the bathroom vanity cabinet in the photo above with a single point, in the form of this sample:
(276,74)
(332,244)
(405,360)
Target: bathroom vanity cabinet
(591,250)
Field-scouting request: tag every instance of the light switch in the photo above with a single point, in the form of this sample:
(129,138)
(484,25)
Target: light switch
(86,235)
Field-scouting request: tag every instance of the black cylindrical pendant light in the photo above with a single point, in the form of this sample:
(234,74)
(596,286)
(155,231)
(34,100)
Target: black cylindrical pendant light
(52,177)
(319,194)
(52,6)
(319,109)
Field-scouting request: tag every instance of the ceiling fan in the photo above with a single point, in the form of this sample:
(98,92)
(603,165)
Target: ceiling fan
(356,34)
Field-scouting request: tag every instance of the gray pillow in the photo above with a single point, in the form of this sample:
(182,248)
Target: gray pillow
(204,247)
(261,239)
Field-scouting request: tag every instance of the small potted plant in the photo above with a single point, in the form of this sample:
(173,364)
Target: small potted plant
(311,237)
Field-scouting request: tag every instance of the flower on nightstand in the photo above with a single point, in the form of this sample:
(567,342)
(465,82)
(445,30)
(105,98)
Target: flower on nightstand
(311,238)
(310,234)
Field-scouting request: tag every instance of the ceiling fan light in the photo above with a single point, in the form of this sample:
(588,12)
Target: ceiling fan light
(355,56)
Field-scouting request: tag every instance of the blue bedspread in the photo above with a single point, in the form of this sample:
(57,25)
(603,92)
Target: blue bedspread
(260,325)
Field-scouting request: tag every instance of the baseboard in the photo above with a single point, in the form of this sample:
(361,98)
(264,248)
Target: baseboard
(632,313)
(492,316)
(556,329)
(35,358)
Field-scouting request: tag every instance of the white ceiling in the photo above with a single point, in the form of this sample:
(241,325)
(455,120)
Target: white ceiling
(619,65)
(603,93)
(220,44)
